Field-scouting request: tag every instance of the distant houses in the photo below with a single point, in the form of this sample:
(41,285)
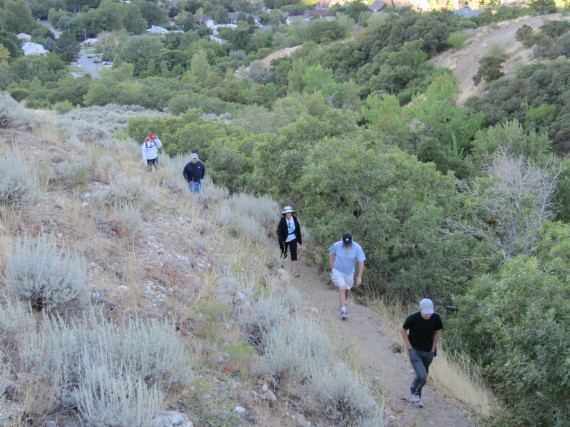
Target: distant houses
(34,49)
(378,6)
(466,12)
(157,30)
(24,37)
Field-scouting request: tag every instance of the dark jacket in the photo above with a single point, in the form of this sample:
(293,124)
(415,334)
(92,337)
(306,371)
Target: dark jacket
(282,232)
(194,172)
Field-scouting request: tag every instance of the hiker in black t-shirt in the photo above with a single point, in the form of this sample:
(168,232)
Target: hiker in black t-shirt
(421,332)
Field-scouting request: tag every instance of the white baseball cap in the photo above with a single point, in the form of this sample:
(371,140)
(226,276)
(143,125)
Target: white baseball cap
(426,306)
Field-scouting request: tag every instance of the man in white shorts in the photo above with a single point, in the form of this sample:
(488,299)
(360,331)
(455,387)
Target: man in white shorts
(343,256)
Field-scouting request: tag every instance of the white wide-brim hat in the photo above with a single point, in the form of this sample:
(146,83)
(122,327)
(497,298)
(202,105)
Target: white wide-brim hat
(287,209)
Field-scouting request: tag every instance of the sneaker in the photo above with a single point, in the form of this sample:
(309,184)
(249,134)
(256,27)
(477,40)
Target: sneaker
(343,314)
(416,400)
(296,273)
(347,308)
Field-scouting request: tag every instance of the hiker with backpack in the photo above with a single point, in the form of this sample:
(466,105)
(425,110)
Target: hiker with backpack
(194,173)
(343,257)
(150,149)
(288,235)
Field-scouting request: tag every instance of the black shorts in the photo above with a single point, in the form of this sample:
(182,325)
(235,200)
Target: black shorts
(292,249)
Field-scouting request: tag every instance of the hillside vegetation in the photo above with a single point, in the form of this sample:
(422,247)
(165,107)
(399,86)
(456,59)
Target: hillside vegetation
(128,302)
(466,204)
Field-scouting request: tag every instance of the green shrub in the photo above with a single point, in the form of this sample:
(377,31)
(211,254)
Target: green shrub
(457,39)
(19,183)
(63,107)
(515,322)
(46,276)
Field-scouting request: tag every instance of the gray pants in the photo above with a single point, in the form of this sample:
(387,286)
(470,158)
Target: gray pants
(420,362)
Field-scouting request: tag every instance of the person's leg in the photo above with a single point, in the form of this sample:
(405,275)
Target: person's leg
(339,280)
(194,187)
(293,250)
(420,370)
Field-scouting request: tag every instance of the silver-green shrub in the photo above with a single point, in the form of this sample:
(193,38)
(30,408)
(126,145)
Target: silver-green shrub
(264,210)
(12,114)
(130,190)
(251,217)
(171,172)
(294,348)
(266,313)
(19,181)
(129,218)
(15,320)
(135,350)
(341,394)
(104,400)
(46,276)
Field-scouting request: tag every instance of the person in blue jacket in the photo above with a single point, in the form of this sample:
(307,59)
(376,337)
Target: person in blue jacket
(194,173)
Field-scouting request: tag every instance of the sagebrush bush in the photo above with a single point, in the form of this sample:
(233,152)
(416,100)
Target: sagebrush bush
(19,183)
(65,353)
(129,218)
(130,190)
(340,394)
(73,172)
(293,349)
(14,115)
(248,216)
(15,320)
(104,400)
(171,173)
(266,313)
(110,118)
(264,210)
(46,276)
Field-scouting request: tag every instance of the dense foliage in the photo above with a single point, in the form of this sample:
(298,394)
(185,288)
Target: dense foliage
(362,134)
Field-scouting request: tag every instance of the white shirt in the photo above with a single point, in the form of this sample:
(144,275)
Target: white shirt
(150,149)
(290,230)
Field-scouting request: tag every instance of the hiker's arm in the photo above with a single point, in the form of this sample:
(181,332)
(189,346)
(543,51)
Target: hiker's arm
(360,270)
(436,337)
(331,259)
(404,333)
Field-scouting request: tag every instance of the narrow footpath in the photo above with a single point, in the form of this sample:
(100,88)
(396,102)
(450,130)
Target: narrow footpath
(362,336)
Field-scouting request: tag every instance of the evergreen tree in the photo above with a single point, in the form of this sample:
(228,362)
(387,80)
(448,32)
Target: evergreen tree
(67,47)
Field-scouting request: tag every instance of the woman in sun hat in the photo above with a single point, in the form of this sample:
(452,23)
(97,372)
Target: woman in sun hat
(289,234)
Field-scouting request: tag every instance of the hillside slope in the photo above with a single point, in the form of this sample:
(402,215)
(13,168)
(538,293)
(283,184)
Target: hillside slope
(176,260)
(464,62)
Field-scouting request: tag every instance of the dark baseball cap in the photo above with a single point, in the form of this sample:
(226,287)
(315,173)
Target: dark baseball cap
(347,239)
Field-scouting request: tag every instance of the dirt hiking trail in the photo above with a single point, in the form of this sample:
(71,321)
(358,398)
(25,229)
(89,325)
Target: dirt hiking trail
(464,62)
(361,335)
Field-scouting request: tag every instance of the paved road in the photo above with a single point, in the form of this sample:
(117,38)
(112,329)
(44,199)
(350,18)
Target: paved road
(51,28)
(88,65)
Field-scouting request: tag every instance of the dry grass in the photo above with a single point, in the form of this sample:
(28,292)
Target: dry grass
(453,375)
(178,265)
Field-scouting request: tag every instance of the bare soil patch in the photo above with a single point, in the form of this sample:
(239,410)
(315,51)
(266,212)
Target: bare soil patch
(464,62)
